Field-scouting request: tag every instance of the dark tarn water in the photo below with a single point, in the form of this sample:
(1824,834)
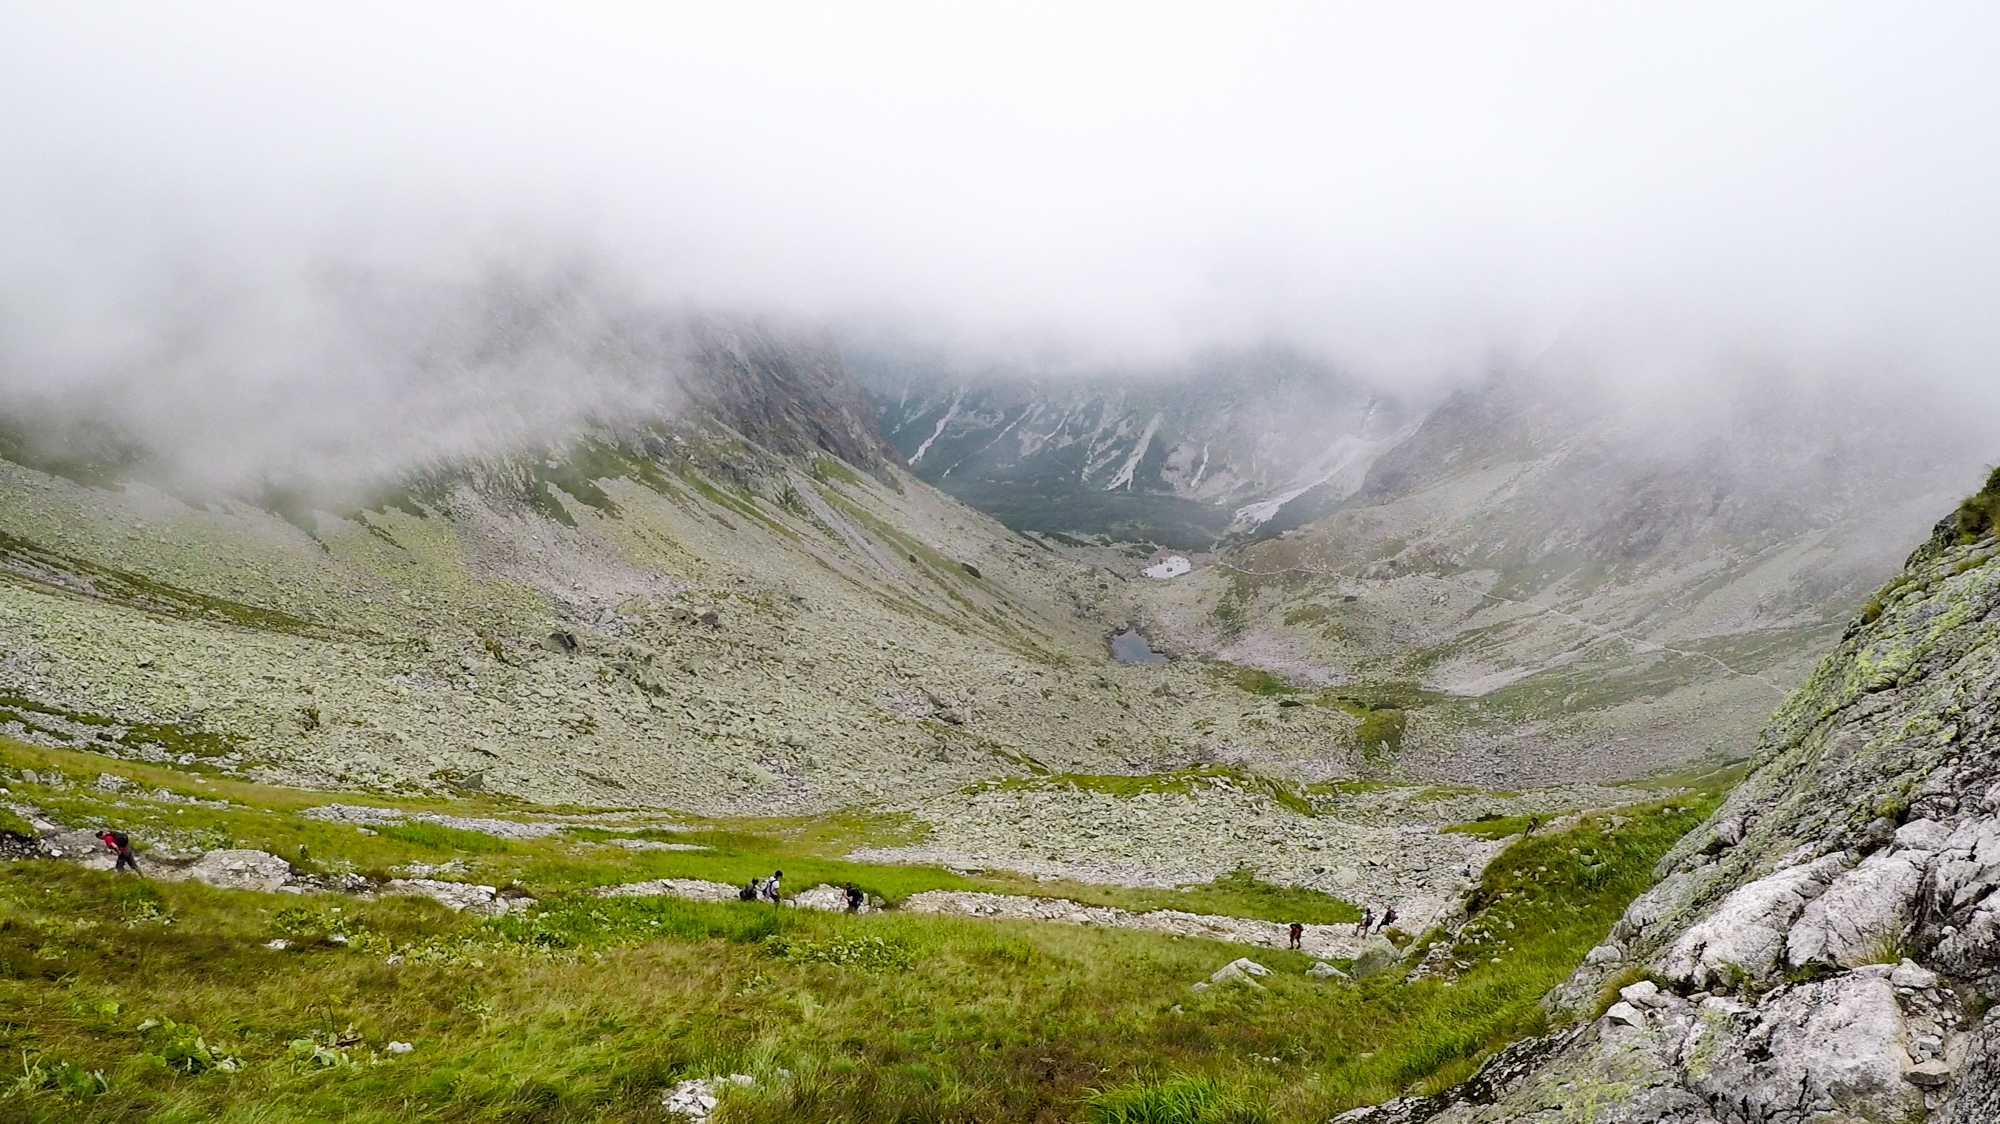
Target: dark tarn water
(1131,647)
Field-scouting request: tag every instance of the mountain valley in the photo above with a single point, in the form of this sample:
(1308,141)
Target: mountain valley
(645,658)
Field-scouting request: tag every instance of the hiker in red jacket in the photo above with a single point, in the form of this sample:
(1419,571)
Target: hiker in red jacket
(1297,931)
(120,843)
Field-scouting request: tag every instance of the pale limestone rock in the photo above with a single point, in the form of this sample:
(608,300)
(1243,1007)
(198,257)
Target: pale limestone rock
(1928,1075)
(1605,955)
(1922,835)
(1239,971)
(1913,975)
(1862,915)
(482,900)
(1744,937)
(1624,1014)
(825,896)
(1832,1050)
(693,889)
(241,870)
(1644,994)
(1967,866)
(1247,965)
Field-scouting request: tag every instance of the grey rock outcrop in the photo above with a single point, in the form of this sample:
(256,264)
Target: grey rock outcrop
(1822,949)
(1862,915)
(240,869)
(484,901)
(1745,937)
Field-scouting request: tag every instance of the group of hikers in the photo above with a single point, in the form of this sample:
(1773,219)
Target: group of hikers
(1369,922)
(766,890)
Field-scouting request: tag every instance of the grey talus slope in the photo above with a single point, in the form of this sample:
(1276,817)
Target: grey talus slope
(744,604)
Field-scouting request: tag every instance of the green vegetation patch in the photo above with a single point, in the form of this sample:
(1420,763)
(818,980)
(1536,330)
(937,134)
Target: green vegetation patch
(437,837)
(1179,1099)
(1494,826)
(37,565)
(130,999)
(1188,780)
(1979,514)
(1557,893)
(1257,681)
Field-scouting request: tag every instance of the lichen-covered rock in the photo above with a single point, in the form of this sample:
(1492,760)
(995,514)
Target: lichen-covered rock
(1830,1050)
(1862,916)
(1744,938)
(1863,854)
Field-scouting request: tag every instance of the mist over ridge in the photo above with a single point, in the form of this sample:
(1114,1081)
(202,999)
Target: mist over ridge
(230,209)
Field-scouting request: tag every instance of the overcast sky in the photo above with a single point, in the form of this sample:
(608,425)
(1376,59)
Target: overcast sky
(1416,190)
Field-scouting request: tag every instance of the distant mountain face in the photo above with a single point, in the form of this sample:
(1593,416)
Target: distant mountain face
(1183,457)
(734,600)
(1546,581)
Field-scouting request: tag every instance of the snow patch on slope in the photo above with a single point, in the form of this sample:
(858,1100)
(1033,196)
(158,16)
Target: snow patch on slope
(1345,464)
(949,414)
(1124,477)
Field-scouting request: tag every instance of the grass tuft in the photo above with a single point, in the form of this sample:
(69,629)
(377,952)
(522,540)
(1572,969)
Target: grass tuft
(1176,1100)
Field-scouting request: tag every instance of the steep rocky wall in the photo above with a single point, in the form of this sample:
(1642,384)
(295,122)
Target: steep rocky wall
(1823,949)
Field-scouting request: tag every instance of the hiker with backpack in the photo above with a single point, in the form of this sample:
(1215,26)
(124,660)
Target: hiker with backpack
(769,890)
(855,898)
(1298,931)
(120,844)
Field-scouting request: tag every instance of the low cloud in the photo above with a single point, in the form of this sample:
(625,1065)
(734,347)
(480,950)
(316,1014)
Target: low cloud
(269,233)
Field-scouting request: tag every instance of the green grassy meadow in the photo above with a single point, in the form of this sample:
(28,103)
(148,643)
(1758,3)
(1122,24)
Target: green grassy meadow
(134,1000)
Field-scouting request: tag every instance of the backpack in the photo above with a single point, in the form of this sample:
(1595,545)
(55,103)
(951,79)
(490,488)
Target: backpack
(121,840)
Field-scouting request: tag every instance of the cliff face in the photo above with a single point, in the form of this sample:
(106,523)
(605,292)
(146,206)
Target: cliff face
(1180,457)
(1824,948)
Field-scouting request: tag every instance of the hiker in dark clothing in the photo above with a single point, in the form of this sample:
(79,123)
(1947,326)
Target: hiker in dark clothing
(1388,918)
(855,898)
(120,843)
(1298,931)
(1367,922)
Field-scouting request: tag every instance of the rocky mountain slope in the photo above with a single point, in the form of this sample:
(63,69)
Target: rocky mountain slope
(1544,582)
(738,602)
(1181,458)
(1825,948)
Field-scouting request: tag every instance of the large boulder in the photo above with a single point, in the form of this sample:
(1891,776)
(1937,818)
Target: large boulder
(237,869)
(1832,1050)
(1375,957)
(1863,916)
(1743,939)
(825,896)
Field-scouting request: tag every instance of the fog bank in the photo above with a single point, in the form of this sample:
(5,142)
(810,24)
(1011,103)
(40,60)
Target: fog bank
(238,220)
